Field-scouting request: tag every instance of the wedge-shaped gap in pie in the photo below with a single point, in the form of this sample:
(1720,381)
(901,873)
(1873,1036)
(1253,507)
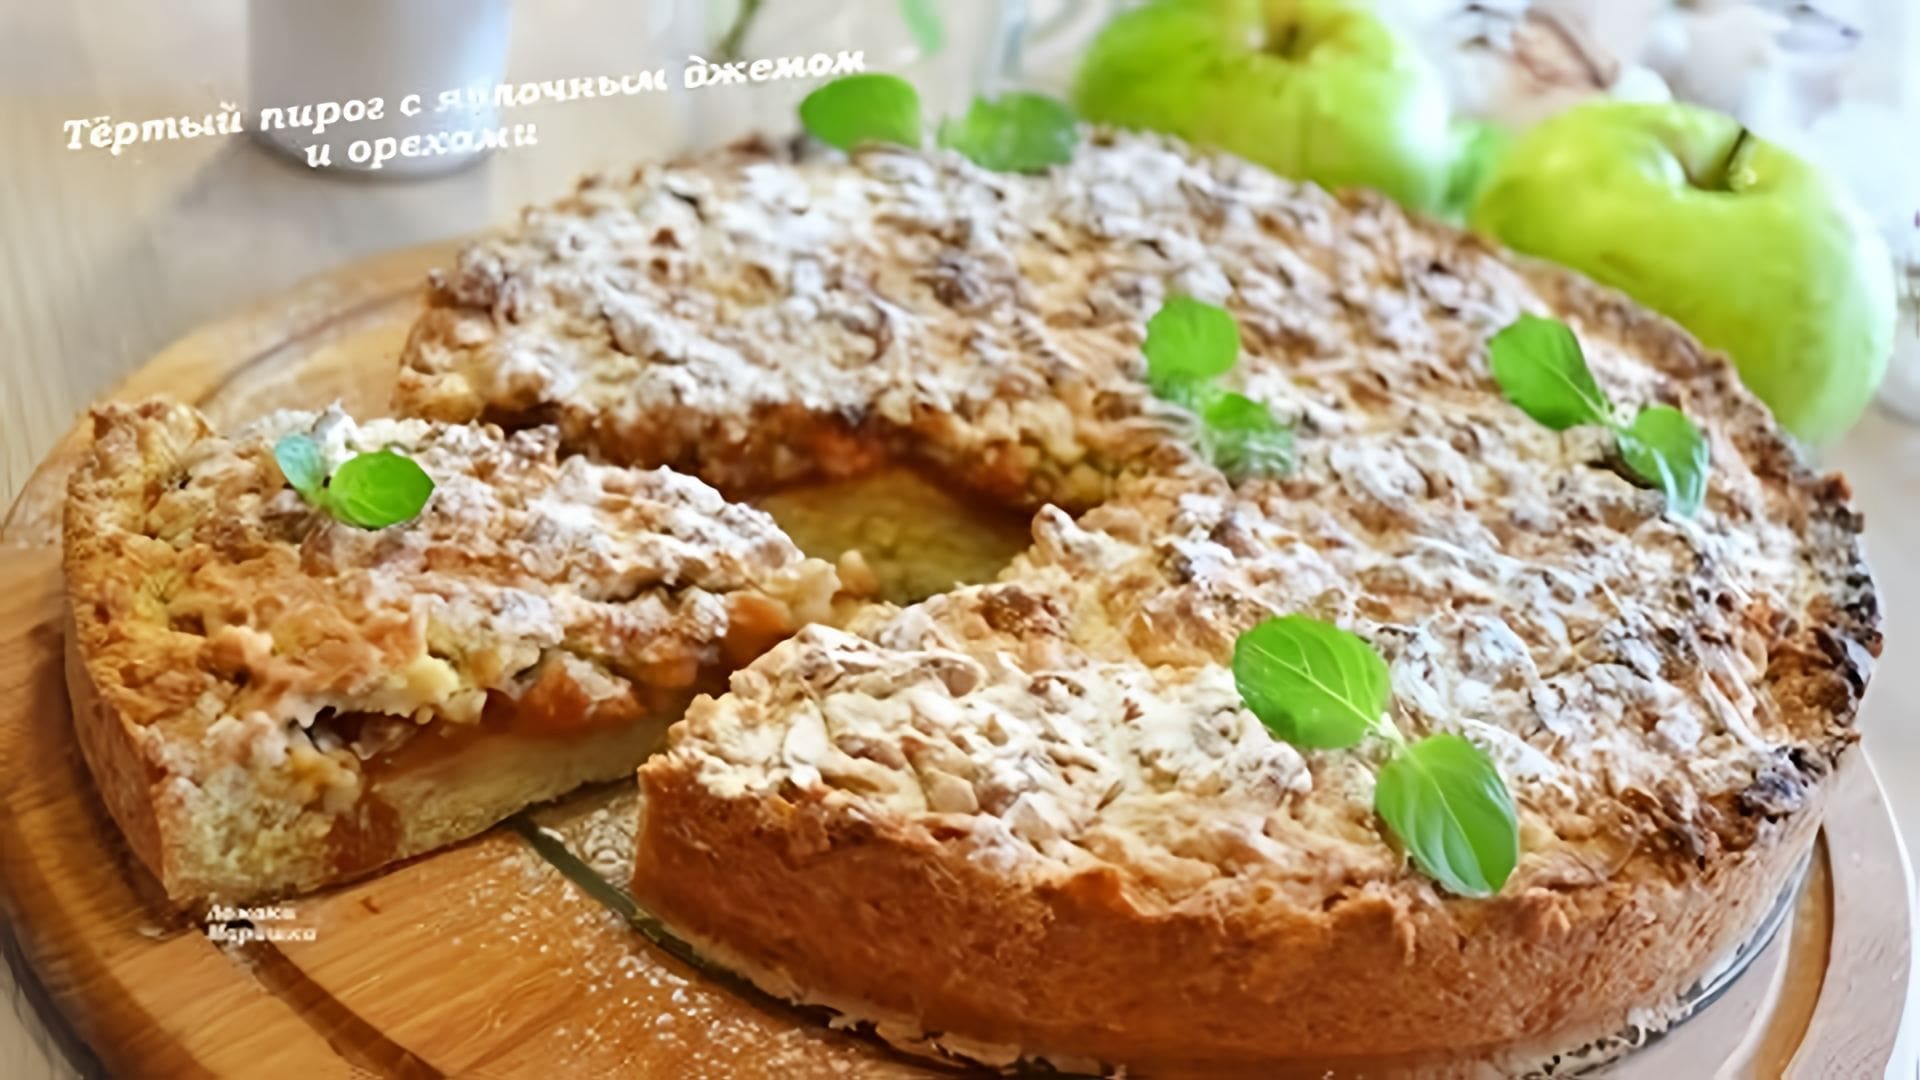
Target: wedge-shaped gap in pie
(916,536)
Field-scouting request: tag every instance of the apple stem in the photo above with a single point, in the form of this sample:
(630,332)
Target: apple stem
(1723,179)
(1289,38)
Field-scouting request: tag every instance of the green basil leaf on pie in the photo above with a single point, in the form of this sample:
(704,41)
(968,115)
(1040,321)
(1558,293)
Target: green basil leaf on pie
(1189,345)
(302,464)
(380,489)
(1190,393)
(1444,799)
(1311,683)
(1189,341)
(1540,368)
(1018,132)
(1243,439)
(1663,448)
(870,107)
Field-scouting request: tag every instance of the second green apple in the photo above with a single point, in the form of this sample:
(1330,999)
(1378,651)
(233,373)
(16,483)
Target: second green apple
(1318,90)
(1751,248)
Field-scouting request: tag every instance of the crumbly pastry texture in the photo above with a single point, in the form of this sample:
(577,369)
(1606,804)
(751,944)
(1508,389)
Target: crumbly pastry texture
(273,699)
(1030,817)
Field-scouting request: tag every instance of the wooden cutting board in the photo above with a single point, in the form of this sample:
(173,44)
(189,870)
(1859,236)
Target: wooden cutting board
(483,960)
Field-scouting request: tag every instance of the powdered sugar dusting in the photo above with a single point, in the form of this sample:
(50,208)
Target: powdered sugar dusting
(632,1009)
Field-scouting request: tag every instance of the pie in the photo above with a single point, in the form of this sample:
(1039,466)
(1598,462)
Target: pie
(1025,816)
(272,700)
(1028,817)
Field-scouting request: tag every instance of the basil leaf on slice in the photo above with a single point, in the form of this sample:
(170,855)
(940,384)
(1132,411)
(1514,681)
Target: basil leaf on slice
(1540,368)
(1444,799)
(1664,448)
(302,464)
(376,490)
(1311,683)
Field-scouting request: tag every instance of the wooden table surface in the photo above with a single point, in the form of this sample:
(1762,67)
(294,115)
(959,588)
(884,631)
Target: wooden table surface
(104,260)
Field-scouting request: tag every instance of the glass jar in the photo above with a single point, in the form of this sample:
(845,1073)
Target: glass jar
(949,49)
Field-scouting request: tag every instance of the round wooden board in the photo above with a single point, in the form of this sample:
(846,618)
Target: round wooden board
(481,959)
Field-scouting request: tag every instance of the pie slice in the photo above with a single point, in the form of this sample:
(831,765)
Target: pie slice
(272,700)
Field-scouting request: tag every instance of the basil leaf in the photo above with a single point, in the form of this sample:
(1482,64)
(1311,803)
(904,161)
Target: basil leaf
(1666,450)
(924,23)
(302,464)
(1444,799)
(1189,344)
(1539,366)
(376,490)
(1243,439)
(1311,683)
(1189,392)
(1188,340)
(1016,132)
(857,109)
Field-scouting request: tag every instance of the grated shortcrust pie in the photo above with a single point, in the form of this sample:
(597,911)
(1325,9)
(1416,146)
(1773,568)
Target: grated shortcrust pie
(1030,817)
(1027,818)
(272,700)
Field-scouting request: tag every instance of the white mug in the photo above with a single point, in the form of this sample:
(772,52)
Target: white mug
(320,67)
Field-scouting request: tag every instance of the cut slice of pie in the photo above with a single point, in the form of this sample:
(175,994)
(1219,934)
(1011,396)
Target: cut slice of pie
(272,700)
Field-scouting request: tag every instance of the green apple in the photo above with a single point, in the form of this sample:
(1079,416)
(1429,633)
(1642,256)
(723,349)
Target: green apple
(1319,90)
(1478,147)
(1752,249)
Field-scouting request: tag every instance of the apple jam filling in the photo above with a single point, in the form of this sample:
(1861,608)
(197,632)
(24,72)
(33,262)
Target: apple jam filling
(565,705)
(918,537)
(564,712)
(894,531)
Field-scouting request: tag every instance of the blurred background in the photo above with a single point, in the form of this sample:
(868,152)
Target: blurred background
(107,254)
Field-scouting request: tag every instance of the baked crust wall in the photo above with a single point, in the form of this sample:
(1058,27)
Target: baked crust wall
(917,933)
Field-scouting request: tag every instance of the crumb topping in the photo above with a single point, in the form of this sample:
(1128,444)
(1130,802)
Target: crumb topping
(234,622)
(1646,684)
